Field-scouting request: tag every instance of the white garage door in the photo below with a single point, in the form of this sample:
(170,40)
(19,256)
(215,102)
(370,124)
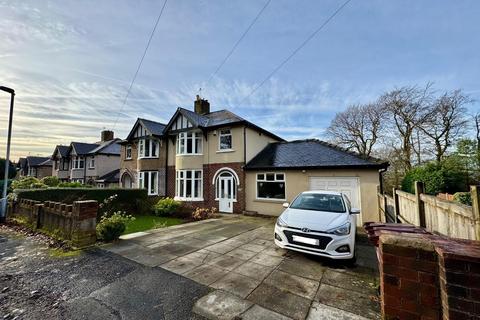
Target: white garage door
(348,185)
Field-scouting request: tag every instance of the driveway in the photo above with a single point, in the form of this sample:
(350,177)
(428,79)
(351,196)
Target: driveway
(253,279)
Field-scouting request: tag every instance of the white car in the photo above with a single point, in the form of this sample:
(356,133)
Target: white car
(321,223)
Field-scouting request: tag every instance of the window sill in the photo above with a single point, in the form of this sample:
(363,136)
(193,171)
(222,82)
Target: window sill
(233,200)
(140,158)
(225,151)
(188,199)
(189,154)
(270,200)
(127,159)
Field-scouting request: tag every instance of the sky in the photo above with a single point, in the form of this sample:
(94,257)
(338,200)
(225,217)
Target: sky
(71,62)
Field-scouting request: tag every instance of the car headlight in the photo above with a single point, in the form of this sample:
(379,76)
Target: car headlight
(281,223)
(343,230)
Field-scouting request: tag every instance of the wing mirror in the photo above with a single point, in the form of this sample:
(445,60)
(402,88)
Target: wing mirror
(286,204)
(354,211)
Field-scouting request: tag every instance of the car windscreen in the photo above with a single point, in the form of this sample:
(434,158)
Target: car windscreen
(319,202)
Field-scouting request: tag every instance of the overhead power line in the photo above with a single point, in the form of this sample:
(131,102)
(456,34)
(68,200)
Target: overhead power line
(294,52)
(238,42)
(140,63)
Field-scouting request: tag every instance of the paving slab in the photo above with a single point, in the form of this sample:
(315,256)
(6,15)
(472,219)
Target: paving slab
(303,267)
(226,262)
(181,265)
(285,303)
(203,256)
(303,287)
(220,248)
(348,300)
(148,257)
(253,247)
(254,270)
(175,248)
(237,284)
(320,311)
(357,282)
(221,305)
(206,274)
(258,313)
(241,254)
(275,251)
(266,260)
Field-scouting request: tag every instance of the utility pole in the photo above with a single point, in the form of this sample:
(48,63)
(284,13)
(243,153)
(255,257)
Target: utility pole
(3,212)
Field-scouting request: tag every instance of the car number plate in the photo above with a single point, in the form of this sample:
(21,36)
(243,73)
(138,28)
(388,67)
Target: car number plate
(311,241)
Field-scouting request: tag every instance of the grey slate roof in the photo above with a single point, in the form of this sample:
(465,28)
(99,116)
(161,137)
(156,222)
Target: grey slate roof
(155,128)
(38,161)
(62,150)
(82,148)
(305,154)
(111,177)
(111,147)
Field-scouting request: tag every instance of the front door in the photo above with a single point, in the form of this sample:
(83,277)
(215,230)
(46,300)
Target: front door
(226,193)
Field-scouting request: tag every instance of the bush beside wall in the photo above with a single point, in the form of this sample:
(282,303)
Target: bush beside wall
(131,201)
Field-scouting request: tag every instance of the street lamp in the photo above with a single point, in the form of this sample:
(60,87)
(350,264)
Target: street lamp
(3,211)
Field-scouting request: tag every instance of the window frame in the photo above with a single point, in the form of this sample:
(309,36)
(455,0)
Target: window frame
(220,135)
(265,180)
(91,163)
(78,162)
(183,140)
(141,182)
(145,144)
(128,152)
(193,182)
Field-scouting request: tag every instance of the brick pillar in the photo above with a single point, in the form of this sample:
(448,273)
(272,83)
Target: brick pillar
(408,277)
(84,214)
(459,262)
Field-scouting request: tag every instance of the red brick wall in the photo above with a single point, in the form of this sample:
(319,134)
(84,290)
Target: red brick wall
(429,277)
(209,171)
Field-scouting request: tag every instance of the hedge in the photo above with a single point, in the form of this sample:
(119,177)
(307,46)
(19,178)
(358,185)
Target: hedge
(133,201)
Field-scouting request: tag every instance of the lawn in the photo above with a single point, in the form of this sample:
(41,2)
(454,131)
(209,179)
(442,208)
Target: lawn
(147,222)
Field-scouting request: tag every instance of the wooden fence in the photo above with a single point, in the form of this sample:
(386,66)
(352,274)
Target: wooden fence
(436,215)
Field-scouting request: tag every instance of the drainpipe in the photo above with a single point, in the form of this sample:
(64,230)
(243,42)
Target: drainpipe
(166,167)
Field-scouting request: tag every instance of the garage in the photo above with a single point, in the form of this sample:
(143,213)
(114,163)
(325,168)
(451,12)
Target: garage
(347,185)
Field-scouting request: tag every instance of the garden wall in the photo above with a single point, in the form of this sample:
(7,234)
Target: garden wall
(75,222)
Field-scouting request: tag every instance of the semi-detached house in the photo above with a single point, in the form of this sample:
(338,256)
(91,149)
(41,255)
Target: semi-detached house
(218,159)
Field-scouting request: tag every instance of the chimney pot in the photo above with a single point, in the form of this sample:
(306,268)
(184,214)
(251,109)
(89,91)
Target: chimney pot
(201,106)
(106,135)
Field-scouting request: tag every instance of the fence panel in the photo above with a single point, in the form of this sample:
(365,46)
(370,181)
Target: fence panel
(408,208)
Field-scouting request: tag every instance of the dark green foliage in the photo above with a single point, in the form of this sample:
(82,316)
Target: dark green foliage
(128,200)
(50,181)
(463,197)
(166,207)
(12,172)
(446,176)
(111,227)
(27,183)
(73,185)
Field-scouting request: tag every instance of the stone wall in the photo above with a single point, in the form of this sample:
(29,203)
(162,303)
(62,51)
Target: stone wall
(75,222)
(425,276)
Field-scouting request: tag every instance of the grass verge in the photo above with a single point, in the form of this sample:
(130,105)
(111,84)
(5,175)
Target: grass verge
(147,222)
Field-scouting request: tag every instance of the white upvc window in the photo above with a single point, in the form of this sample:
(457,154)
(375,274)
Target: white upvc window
(225,140)
(148,180)
(91,163)
(189,185)
(128,152)
(271,186)
(148,148)
(78,162)
(189,143)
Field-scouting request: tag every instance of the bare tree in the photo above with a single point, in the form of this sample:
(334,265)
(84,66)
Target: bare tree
(446,121)
(408,107)
(476,118)
(357,128)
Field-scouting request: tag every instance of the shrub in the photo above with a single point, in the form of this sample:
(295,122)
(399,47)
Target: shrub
(111,227)
(73,185)
(203,213)
(50,181)
(28,183)
(463,198)
(166,207)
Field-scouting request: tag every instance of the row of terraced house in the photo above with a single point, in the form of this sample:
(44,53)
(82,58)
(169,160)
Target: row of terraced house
(218,159)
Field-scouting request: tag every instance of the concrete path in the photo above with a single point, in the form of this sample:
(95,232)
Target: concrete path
(253,279)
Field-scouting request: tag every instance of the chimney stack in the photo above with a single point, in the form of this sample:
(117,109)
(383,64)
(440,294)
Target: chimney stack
(106,135)
(201,106)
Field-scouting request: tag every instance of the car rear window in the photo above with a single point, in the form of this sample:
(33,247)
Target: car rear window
(319,202)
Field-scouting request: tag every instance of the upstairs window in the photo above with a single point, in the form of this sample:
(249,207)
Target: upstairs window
(78,163)
(189,143)
(64,165)
(128,152)
(91,163)
(271,186)
(148,148)
(225,139)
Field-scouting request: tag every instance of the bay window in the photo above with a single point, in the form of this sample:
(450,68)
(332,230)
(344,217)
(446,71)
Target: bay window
(189,185)
(271,186)
(148,180)
(147,148)
(189,143)
(225,140)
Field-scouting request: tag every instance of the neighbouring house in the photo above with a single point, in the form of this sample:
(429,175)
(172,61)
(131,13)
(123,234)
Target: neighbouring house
(282,170)
(91,161)
(21,166)
(143,158)
(38,167)
(61,163)
(109,180)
